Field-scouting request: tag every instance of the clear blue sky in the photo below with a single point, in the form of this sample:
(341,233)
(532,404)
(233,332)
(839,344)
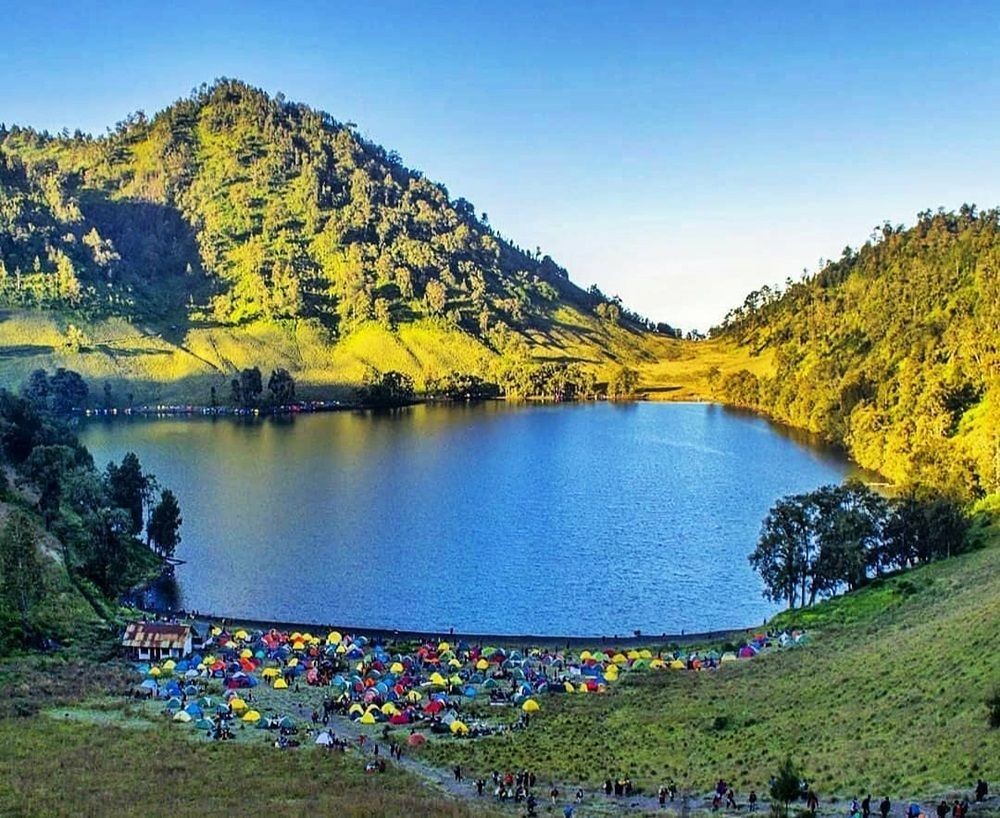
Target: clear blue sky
(679,154)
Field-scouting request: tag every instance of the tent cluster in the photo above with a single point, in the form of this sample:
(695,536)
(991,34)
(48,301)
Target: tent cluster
(405,684)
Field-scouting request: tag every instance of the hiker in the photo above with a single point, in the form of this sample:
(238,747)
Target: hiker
(628,786)
(579,795)
(884,807)
(554,794)
(982,790)
(855,809)
(673,790)
(480,783)
(661,797)
(866,806)
(731,799)
(812,802)
(943,809)
(752,800)
(458,772)
(608,786)
(568,811)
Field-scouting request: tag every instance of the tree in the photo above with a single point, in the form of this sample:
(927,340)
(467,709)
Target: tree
(622,382)
(281,385)
(786,786)
(435,297)
(20,569)
(36,390)
(782,553)
(251,386)
(69,391)
(45,469)
(129,489)
(165,523)
(386,389)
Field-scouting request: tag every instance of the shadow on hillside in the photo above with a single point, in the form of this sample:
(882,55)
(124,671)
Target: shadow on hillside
(160,260)
(26,350)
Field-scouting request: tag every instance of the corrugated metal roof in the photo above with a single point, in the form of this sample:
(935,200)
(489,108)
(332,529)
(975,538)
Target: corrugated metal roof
(155,635)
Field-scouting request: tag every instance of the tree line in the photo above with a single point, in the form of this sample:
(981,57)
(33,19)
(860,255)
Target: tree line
(112,525)
(838,538)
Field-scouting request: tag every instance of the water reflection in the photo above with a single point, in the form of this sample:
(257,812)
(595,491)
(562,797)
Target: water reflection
(584,519)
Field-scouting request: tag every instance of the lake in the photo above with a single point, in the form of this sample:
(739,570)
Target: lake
(590,519)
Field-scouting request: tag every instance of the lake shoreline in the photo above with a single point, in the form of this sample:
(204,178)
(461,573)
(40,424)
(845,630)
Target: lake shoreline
(204,621)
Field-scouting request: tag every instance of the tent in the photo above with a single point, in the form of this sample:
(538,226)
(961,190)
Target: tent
(416,740)
(324,739)
(204,724)
(459,728)
(280,684)
(251,716)
(182,716)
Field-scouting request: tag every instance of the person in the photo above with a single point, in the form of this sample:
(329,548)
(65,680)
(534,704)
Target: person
(568,811)
(752,800)
(982,790)
(662,797)
(480,783)
(731,799)
(458,772)
(812,802)
(855,809)
(885,806)
(943,809)
(608,786)
(554,794)
(579,794)
(673,790)
(866,806)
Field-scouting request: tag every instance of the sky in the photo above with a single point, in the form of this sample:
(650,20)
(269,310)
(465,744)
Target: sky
(677,154)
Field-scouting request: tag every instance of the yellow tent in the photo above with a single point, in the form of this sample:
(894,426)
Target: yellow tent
(482,664)
(237,704)
(443,646)
(396,667)
(298,644)
(454,663)
(154,672)
(333,637)
(657,664)
(455,679)
(619,659)
(270,672)
(585,655)
(389,709)
(355,708)
(182,716)
(581,688)
(341,649)
(677,664)
(280,684)
(438,679)
(216,631)
(728,657)
(530,706)
(246,653)
(633,655)
(293,661)
(367,718)
(413,696)
(251,716)
(241,634)
(458,728)
(569,687)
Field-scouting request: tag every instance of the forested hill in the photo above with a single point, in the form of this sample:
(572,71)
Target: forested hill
(891,350)
(233,209)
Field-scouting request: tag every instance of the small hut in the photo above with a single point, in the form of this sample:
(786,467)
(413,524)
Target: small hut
(154,641)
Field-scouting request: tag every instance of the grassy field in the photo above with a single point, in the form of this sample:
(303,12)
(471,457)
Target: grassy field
(157,365)
(54,768)
(889,697)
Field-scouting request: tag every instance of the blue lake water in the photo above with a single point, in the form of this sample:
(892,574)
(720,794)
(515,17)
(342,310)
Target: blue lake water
(591,519)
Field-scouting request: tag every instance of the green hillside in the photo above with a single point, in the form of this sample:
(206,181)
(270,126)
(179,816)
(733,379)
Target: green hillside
(893,350)
(235,229)
(889,697)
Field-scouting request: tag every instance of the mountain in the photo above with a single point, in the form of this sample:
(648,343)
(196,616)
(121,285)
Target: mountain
(234,228)
(893,350)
